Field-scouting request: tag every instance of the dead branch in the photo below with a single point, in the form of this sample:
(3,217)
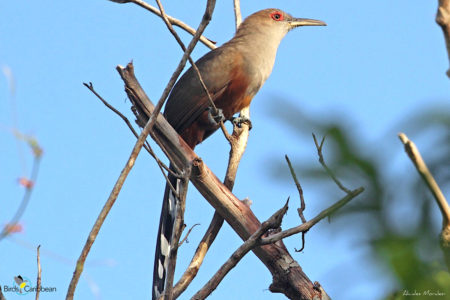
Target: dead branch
(287,275)
(442,203)
(207,42)
(443,20)
(38,281)
(147,146)
(273,222)
(309,224)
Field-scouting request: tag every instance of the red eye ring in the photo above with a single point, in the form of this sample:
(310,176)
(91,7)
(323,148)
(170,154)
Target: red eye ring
(277,16)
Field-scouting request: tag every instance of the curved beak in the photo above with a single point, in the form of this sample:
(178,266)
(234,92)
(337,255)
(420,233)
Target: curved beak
(296,22)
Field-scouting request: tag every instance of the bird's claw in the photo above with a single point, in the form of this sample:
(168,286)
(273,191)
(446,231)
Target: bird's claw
(238,121)
(215,117)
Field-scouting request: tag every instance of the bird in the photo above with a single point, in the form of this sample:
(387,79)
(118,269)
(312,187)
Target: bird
(233,73)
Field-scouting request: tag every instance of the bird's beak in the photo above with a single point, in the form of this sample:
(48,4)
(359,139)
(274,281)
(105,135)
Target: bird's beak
(296,22)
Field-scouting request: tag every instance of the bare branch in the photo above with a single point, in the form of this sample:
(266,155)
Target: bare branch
(146,146)
(237,12)
(185,239)
(442,203)
(300,190)
(38,281)
(322,162)
(207,42)
(423,170)
(309,224)
(302,202)
(272,223)
(443,19)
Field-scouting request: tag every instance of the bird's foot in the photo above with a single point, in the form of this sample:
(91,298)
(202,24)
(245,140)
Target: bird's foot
(215,117)
(238,121)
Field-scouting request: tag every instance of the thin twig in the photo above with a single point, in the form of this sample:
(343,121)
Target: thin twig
(273,222)
(38,281)
(302,201)
(299,188)
(322,162)
(309,224)
(146,146)
(185,239)
(207,42)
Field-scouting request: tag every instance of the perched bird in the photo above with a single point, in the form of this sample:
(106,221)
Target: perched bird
(233,74)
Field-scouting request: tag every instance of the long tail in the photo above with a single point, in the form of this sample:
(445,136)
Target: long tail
(164,238)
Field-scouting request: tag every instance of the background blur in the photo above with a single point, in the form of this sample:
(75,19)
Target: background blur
(377,68)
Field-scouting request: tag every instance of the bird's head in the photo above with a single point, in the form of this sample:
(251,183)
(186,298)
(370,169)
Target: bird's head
(274,22)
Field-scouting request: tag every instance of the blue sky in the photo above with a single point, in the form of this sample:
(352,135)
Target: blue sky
(375,64)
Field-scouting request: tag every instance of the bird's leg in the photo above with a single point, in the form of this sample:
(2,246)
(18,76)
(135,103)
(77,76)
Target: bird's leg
(215,117)
(238,121)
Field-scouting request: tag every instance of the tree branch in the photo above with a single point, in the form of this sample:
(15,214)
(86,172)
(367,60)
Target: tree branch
(38,281)
(442,203)
(309,224)
(273,222)
(443,19)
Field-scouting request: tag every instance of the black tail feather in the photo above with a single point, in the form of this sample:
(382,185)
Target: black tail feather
(164,237)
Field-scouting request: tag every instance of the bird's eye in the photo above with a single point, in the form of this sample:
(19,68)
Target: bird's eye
(277,16)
